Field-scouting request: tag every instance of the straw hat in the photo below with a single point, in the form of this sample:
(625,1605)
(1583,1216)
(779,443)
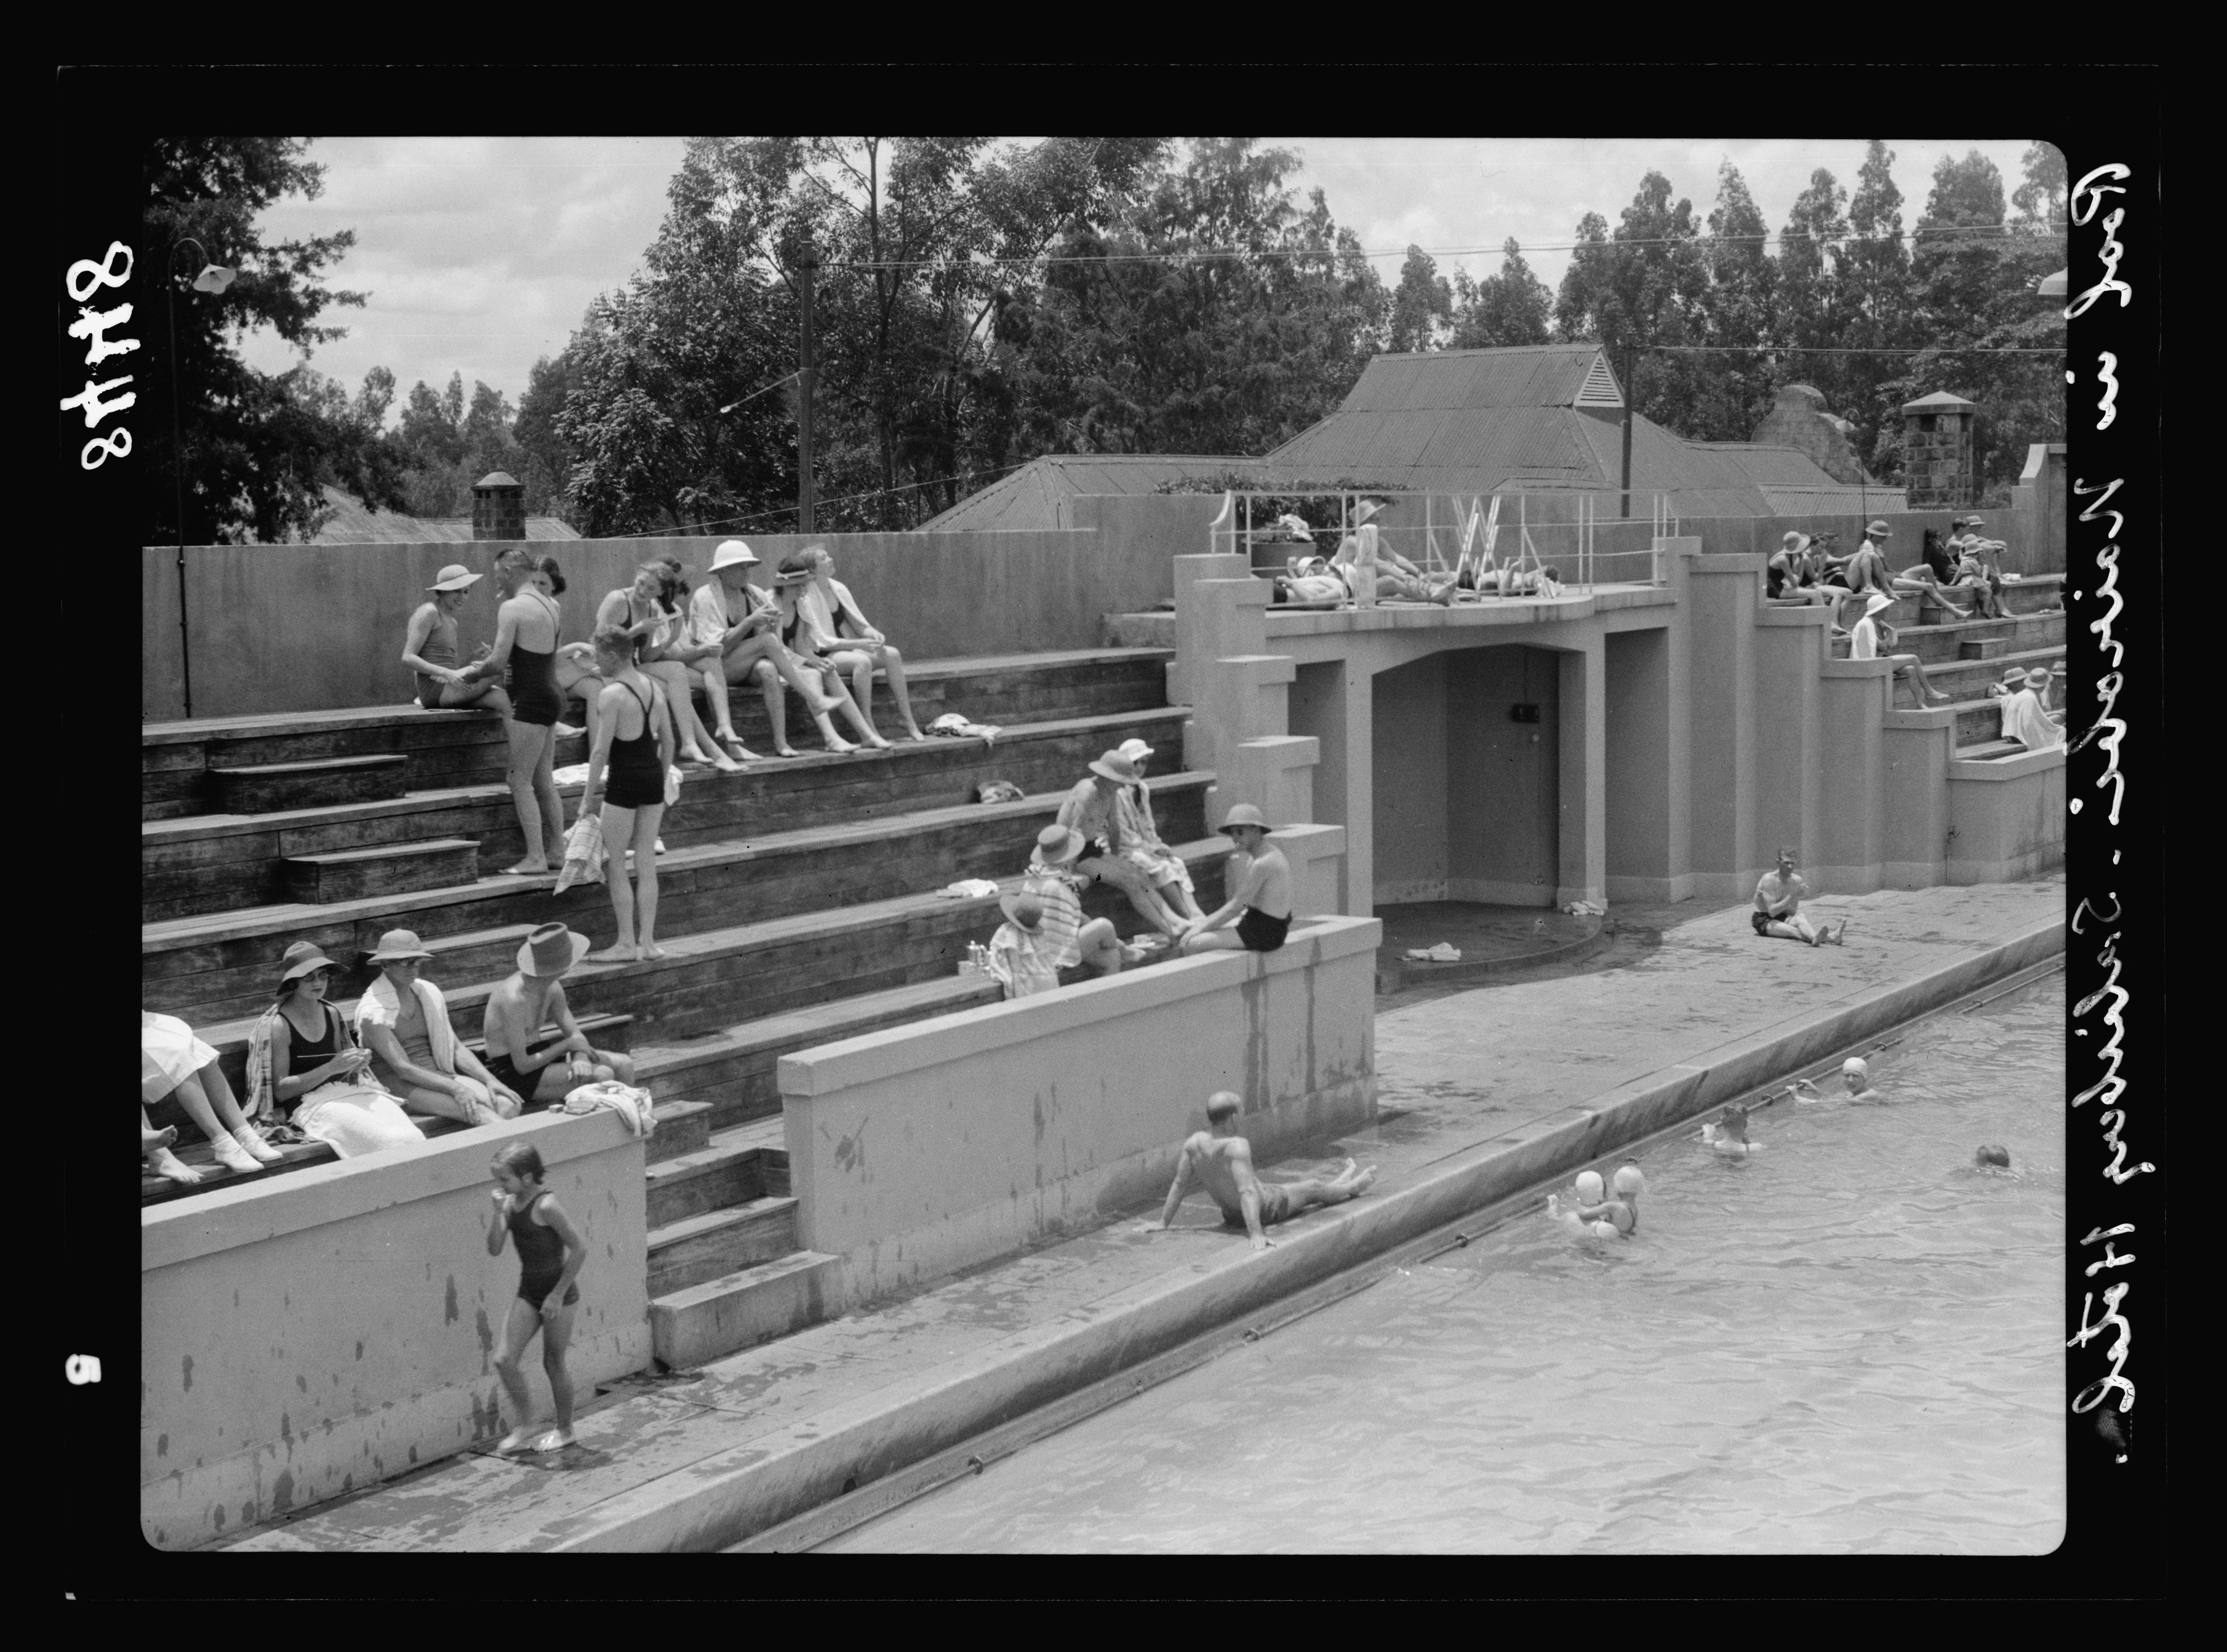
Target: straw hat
(1114,766)
(1057,845)
(1879,531)
(2037,677)
(1364,510)
(1795,541)
(454,576)
(396,945)
(1244,815)
(731,552)
(1879,600)
(1025,910)
(1135,750)
(2013,675)
(303,957)
(551,950)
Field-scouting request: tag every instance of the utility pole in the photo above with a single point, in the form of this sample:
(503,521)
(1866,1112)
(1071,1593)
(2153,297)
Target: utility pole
(805,267)
(1630,393)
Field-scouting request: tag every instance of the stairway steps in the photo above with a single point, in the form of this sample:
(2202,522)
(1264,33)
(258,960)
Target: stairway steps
(696,1248)
(697,1324)
(683,1127)
(270,787)
(216,965)
(728,1171)
(390,868)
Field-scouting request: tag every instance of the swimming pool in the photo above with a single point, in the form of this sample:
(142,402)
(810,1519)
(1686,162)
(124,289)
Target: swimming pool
(1849,1343)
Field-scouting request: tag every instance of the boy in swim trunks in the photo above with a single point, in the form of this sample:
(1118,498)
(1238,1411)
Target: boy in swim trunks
(1260,881)
(550,1254)
(1222,1162)
(515,1012)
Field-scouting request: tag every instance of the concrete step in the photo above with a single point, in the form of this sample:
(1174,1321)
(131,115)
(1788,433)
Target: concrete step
(209,864)
(215,966)
(728,1171)
(1944,644)
(269,787)
(683,1127)
(392,869)
(196,1150)
(699,1248)
(1978,721)
(1988,751)
(698,1323)
(1969,678)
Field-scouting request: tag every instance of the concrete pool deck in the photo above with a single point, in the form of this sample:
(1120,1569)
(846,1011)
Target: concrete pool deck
(1482,1092)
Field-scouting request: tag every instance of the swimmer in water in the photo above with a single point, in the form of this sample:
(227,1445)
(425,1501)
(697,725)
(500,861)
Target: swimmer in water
(1995,1159)
(1855,1079)
(1728,1135)
(1594,1215)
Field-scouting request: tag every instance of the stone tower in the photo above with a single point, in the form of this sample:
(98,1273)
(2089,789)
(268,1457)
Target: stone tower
(1937,465)
(498,507)
(1799,420)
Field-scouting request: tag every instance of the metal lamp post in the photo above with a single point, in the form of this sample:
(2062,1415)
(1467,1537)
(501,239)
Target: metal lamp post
(213,277)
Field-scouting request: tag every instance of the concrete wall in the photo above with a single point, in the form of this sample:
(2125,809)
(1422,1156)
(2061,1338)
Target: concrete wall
(278,627)
(305,1334)
(2006,818)
(1503,778)
(1638,766)
(1408,720)
(926,1148)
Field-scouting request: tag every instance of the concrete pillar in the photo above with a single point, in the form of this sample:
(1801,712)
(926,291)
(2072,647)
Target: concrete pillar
(1359,793)
(498,507)
(1205,630)
(1846,858)
(1790,645)
(1915,751)
(1273,773)
(1724,594)
(1582,841)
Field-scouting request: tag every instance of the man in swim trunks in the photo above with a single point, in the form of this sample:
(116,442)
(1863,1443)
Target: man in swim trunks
(1778,907)
(1260,881)
(1221,1160)
(515,1012)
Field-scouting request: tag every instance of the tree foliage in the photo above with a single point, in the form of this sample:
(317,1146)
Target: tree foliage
(1514,307)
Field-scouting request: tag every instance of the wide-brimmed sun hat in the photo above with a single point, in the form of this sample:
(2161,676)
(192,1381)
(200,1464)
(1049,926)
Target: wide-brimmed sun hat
(1057,845)
(1114,766)
(1366,510)
(2037,677)
(454,576)
(1795,540)
(1135,750)
(2013,674)
(1244,815)
(301,958)
(551,950)
(1879,600)
(1879,531)
(396,945)
(1025,910)
(731,552)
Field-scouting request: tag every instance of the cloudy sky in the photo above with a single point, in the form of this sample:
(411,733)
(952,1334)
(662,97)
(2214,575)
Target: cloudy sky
(480,254)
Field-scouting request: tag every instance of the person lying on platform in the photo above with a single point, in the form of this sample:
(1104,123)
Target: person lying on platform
(1595,1214)
(1260,881)
(518,1007)
(1093,808)
(1362,555)
(1143,846)
(1872,634)
(428,648)
(843,636)
(404,1020)
(1778,896)
(1308,579)
(173,1062)
(1067,942)
(550,1254)
(1222,1161)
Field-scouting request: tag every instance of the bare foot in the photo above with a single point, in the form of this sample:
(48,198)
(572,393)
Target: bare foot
(784,752)
(150,1140)
(878,742)
(1841,935)
(164,1162)
(528,868)
(651,951)
(614,954)
(836,742)
(556,1440)
(725,764)
(914,734)
(518,1440)
(1363,1183)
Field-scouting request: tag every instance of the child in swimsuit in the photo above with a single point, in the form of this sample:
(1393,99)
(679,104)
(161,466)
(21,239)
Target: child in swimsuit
(1595,1216)
(1728,1135)
(550,1255)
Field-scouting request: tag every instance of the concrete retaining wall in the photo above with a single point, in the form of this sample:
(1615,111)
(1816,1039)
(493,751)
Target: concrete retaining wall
(324,1329)
(924,1149)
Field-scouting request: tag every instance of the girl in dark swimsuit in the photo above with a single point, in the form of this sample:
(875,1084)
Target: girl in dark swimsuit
(550,1254)
(535,706)
(626,776)
(659,648)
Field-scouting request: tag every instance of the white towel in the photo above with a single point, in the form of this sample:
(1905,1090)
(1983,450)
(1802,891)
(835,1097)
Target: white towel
(583,853)
(635,1105)
(968,889)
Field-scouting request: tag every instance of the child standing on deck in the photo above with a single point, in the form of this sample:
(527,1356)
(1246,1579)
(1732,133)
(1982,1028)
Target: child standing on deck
(550,1256)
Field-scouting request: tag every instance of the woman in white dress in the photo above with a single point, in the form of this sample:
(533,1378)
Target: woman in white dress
(172,1061)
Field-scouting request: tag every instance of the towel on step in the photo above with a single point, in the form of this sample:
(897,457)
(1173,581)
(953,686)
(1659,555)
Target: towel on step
(969,889)
(951,726)
(632,1104)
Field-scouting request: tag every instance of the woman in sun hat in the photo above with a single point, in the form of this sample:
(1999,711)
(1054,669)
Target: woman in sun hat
(303,1060)
(430,649)
(1094,809)
(1871,633)
(518,1007)
(1066,940)
(1143,847)
(1019,955)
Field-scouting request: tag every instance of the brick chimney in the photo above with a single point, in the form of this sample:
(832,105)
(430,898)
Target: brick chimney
(498,507)
(1936,451)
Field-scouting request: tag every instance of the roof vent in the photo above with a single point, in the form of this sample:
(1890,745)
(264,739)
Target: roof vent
(1600,387)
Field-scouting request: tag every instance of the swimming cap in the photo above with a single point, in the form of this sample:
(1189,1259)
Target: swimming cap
(1589,1186)
(1629,1180)
(1855,1064)
(1997,1155)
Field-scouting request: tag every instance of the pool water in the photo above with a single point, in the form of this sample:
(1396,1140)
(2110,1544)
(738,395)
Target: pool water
(1848,1344)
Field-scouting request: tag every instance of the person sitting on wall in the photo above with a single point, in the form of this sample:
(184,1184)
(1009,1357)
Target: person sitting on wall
(1793,578)
(173,1062)
(1871,633)
(1361,554)
(1093,808)
(1260,881)
(404,1020)
(745,624)
(1144,847)
(1308,579)
(1067,942)
(842,634)
(1222,1161)
(1924,579)
(1778,896)
(518,1007)
(428,648)
(303,1060)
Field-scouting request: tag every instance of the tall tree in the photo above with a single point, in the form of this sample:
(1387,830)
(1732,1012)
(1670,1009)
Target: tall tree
(1422,304)
(1514,307)
(1643,284)
(1875,305)
(1740,311)
(257,446)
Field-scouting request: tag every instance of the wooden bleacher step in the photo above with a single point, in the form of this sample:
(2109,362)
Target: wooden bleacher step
(697,1324)
(727,1171)
(1985,648)
(265,788)
(389,868)
(699,1248)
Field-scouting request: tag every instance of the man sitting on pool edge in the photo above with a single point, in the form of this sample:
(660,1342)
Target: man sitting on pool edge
(1260,884)
(1223,1160)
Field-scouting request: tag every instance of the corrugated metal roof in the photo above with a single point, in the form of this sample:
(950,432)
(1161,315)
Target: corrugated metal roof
(1836,498)
(1767,464)
(355,523)
(1036,495)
